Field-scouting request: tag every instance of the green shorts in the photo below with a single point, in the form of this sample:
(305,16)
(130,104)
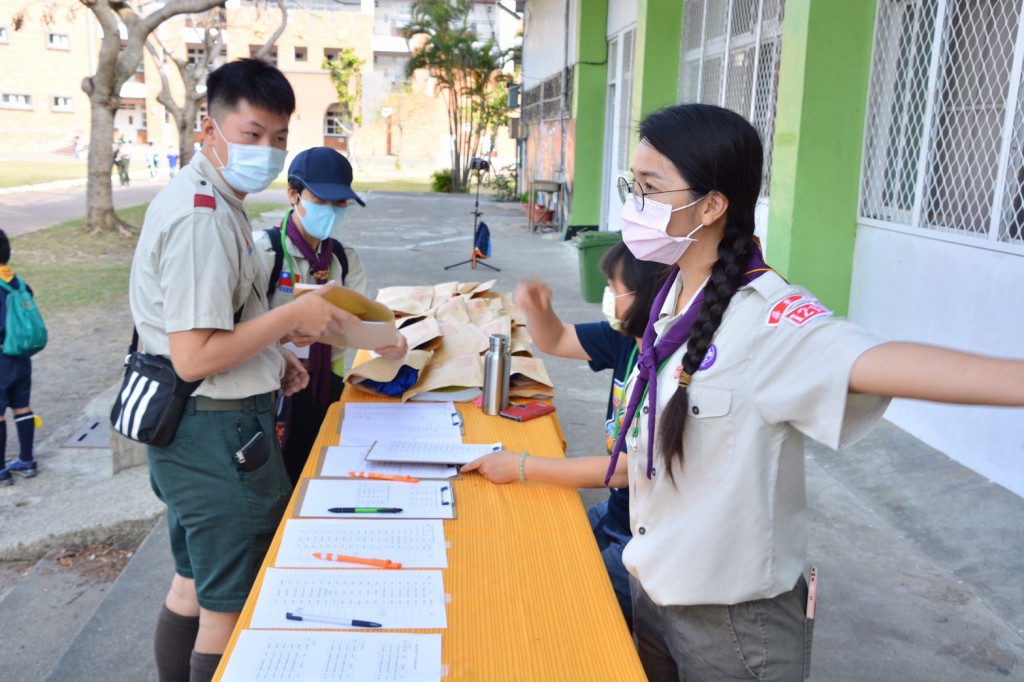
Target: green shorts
(221,519)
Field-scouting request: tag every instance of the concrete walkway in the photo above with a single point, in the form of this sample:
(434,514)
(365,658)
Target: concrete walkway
(920,559)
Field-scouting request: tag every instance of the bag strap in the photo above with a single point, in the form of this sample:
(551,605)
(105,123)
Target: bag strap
(134,346)
(274,233)
(338,251)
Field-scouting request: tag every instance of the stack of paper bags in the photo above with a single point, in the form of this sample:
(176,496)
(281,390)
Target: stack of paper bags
(447,326)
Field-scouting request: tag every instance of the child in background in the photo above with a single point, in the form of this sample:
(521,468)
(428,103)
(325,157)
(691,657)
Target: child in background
(15,384)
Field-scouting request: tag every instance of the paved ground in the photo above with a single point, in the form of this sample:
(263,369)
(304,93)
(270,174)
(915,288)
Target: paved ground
(921,560)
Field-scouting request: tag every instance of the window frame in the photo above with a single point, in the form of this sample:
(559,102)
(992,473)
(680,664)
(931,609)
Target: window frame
(28,105)
(65,44)
(55,107)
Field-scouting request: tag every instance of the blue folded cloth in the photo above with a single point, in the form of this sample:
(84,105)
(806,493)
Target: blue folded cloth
(403,381)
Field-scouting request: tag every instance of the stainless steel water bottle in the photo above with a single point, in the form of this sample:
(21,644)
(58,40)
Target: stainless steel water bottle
(497,371)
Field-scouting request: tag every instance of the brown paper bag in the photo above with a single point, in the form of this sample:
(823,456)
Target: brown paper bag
(458,339)
(384,370)
(530,379)
(460,378)
(422,335)
(407,300)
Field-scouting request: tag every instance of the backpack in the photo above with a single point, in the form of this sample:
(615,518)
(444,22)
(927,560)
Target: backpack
(24,331)
(337,251)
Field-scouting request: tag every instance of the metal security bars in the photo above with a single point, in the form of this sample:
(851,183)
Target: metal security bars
(944,134)
(730,57)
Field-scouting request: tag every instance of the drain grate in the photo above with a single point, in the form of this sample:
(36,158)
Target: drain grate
(95,433)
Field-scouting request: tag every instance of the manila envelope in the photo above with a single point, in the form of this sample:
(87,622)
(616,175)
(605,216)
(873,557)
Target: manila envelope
(499,325)
(384,370)
(453,310)
(458,339)
(407,300)
(483,310)
(422,335)
(530,379)
(463,371)
(521,343)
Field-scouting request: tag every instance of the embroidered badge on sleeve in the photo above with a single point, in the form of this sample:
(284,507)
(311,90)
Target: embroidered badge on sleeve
(796,309)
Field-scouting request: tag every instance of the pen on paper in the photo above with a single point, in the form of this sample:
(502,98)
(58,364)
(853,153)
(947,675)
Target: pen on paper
(365,510)
(383,477)
(314,618)
(380,563)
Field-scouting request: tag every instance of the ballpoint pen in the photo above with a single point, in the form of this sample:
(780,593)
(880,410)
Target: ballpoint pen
(314,618)
(383,477)
(380,563)
(365,510)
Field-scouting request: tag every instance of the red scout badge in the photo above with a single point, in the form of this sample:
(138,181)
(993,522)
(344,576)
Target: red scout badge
(796,309)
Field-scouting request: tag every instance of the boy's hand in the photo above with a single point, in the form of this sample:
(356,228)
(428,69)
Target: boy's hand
(295,375)
(314,317)
(395,352)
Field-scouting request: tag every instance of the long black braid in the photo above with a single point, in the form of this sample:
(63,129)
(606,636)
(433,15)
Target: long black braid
(715,150)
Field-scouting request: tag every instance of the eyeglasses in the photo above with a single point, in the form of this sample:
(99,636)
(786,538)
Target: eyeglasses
(626,188)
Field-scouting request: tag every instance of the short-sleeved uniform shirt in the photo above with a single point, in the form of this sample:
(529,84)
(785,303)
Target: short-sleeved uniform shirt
(354,279)
(194,267)
(733,526)
(609,349)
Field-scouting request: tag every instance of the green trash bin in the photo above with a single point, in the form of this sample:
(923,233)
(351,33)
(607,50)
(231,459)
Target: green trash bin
(592,246)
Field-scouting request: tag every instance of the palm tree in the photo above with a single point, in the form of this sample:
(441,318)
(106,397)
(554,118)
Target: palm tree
(464,68)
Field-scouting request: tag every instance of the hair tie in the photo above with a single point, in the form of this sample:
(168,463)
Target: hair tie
(684,379)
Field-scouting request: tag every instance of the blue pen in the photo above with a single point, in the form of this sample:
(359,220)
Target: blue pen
(314,618)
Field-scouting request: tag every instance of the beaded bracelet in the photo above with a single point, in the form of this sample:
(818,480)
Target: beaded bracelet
(522,461)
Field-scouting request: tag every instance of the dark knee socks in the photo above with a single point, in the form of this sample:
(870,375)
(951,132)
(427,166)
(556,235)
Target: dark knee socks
(26,425)
(3,443)
(204,666)
(173,642)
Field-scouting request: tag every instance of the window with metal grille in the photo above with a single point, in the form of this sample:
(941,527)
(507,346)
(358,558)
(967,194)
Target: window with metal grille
(333,121)
(944,135)
(730,57)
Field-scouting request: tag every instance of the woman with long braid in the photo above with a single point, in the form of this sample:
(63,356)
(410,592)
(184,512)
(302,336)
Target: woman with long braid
(737,367)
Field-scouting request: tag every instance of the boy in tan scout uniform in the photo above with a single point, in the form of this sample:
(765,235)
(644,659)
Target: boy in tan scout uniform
(196,297)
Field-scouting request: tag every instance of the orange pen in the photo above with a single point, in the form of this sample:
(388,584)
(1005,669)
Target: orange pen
(383,477)
(379,563)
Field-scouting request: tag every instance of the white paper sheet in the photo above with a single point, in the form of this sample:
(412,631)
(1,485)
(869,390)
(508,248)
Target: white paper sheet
(420,452)
(397,600)
(272,656)
(340,460)
(423,500)
(365,423)
(414,543)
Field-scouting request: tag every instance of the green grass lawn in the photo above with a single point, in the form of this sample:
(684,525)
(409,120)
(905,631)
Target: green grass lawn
(71,269)
(17,173)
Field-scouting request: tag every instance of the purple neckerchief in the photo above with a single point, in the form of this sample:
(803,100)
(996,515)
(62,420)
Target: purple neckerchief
(656,350)
(319,353)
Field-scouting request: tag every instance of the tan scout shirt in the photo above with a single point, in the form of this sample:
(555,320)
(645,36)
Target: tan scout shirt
(733,527)
(194,266)
(355,279)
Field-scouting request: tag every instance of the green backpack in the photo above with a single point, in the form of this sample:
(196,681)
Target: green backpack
(24,331)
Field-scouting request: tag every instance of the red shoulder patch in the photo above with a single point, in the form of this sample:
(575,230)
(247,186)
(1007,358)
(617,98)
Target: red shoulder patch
(775,315)
(805,312)
(204,201)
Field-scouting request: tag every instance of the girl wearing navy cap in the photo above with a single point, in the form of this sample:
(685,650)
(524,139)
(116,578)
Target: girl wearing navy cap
(304,250)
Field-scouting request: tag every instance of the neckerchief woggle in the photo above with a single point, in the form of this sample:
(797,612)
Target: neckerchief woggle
(320,265)
(657,350)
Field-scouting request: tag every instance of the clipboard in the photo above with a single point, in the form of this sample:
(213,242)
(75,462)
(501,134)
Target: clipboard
(331,493)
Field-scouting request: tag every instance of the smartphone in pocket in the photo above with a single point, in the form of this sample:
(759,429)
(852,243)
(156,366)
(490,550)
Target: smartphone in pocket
(253,454)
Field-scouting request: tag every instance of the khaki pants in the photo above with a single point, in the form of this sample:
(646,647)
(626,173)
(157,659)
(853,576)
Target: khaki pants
(765,639)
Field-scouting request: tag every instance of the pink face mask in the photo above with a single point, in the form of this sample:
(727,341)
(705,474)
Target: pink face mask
(645,232)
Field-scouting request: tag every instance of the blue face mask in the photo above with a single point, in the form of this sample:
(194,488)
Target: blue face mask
(250,167)
(320,219)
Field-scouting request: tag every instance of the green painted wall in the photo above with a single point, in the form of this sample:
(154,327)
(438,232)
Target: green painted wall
(588,104)
(659,34)
(819,128)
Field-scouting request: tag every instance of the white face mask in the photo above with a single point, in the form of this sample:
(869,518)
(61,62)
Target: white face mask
(646,232)
(250,167)
(608,307)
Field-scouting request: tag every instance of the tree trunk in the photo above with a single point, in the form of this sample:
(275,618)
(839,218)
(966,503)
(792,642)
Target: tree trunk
(99,197)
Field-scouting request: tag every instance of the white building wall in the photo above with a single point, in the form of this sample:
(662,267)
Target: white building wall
(621,15)
(545,37)
(915,288)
